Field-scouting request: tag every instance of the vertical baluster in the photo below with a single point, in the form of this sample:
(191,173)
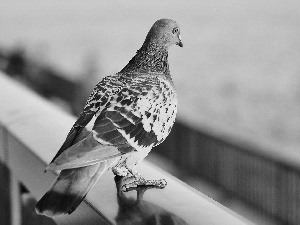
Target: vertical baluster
(15,208)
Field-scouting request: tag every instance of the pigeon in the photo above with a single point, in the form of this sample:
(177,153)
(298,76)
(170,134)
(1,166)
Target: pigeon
(130,112)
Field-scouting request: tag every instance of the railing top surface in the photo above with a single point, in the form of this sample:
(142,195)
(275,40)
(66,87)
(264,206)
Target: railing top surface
(35,129)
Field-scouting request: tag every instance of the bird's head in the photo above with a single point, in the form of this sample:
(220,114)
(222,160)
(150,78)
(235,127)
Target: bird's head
(165,33)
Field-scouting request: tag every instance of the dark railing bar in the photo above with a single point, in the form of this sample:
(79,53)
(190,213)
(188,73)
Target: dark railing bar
(258,148)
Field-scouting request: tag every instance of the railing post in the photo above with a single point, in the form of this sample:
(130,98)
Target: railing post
(10,185)
(15,200)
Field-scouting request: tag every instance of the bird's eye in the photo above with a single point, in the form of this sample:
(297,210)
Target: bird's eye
(175,30)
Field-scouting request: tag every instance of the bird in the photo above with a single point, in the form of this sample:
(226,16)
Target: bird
(130,112)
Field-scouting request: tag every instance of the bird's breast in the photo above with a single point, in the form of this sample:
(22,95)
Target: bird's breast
(158,110)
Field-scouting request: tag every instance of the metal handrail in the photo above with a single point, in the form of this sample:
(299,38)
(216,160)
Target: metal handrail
(31,131)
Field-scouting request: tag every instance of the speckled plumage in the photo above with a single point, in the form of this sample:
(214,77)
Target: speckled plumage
(130,112)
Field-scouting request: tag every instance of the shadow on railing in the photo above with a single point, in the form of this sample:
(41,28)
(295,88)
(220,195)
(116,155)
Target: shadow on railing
(31,131)
(133,207)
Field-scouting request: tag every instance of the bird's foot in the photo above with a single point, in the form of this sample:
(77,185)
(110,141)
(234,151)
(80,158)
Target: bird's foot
(141,182)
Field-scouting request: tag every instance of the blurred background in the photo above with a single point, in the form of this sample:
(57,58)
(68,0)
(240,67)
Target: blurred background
(237,135)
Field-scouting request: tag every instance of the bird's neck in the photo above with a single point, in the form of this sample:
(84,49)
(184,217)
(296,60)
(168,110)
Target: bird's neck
(149,58)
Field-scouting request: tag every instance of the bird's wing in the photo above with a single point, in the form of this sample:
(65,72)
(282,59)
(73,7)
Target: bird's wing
(95,103)
(127,120)
(125,124)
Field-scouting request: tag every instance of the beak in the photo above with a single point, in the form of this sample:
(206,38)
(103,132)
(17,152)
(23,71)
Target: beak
(180,44)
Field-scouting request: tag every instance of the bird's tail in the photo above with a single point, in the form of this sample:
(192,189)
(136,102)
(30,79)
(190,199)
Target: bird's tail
(69,189)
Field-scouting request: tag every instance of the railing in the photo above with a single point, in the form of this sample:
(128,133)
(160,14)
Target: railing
(261,174)
(31,131)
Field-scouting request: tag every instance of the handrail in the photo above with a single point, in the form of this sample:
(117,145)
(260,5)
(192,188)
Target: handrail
(31,131)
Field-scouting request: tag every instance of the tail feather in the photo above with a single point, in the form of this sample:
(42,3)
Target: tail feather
(69,189)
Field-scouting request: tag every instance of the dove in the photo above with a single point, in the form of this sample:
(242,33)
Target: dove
(130,112)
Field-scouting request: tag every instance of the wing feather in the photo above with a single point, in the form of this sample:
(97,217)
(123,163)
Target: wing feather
(95,103)
(124,116)
(83,153)
(124,123)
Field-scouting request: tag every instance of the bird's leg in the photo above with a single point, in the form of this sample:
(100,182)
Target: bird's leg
(120,171)
(140,181)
